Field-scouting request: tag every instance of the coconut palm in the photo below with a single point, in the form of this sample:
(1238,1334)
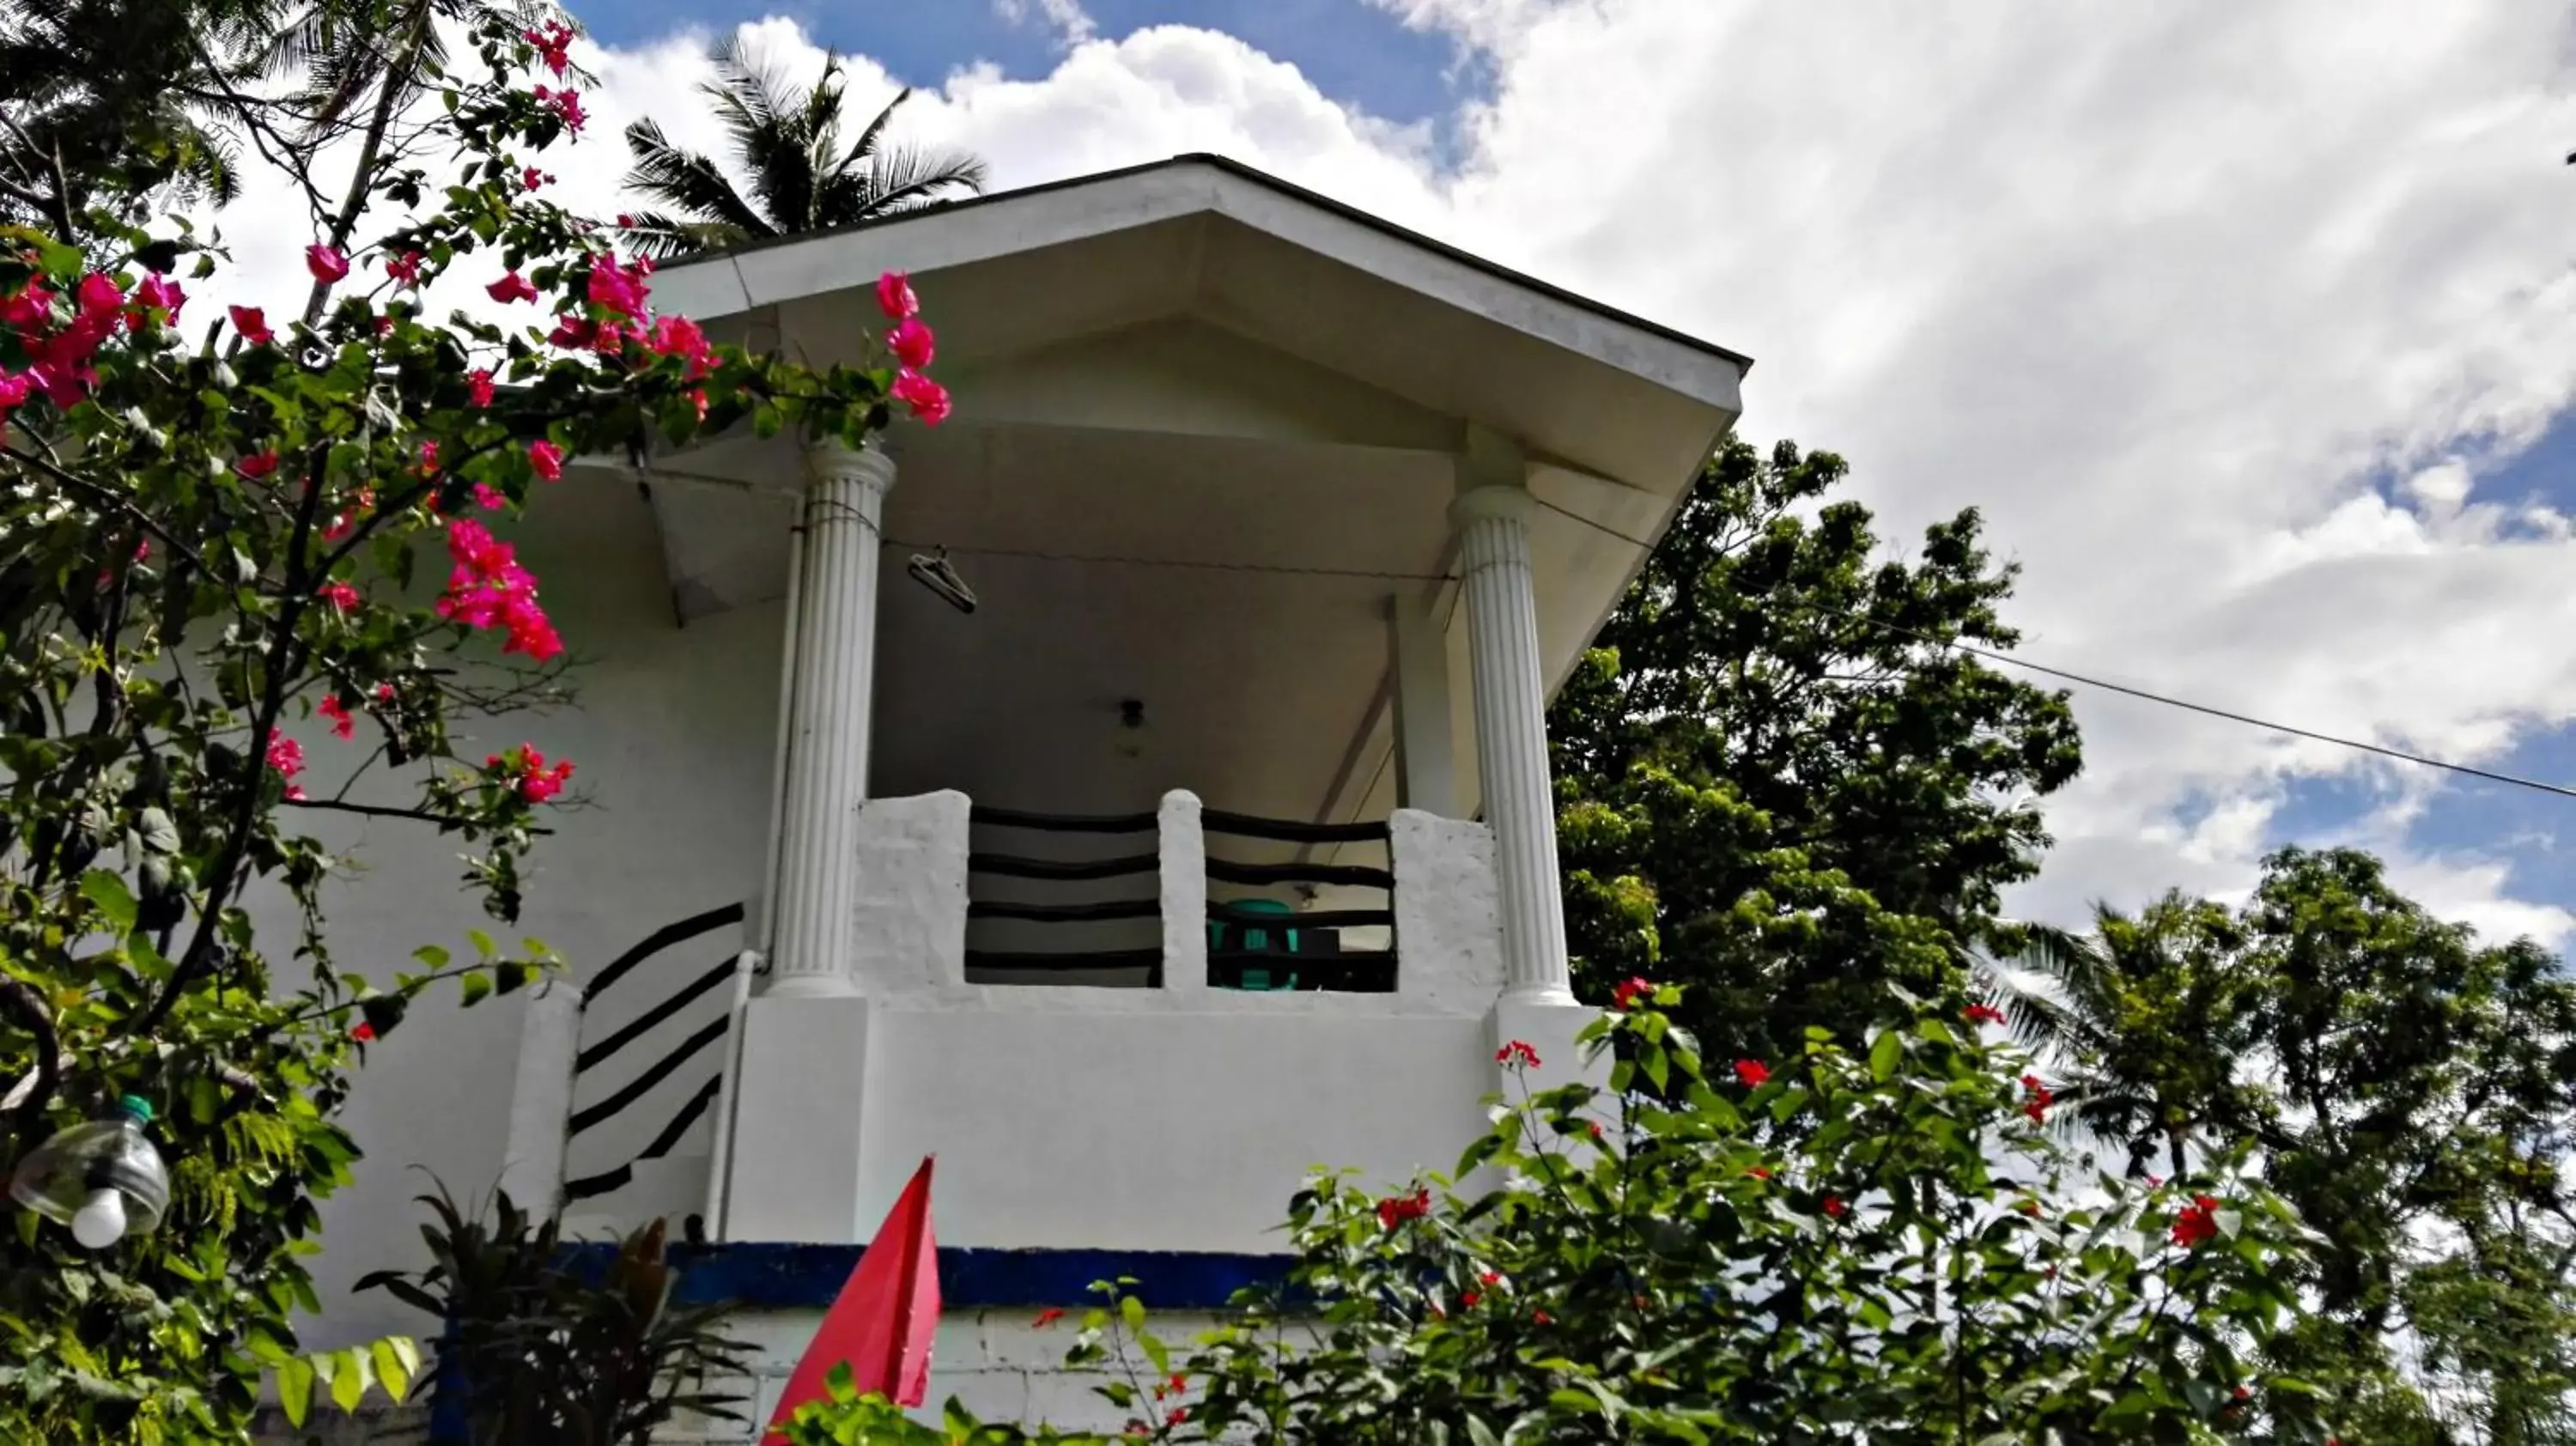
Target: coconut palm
(790,146)
(2149,1017)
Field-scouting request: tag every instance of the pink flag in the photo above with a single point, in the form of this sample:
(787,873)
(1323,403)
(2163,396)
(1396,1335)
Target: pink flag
(885,1317)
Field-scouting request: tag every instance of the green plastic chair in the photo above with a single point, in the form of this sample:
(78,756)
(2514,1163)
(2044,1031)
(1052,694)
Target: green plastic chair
(1257,937)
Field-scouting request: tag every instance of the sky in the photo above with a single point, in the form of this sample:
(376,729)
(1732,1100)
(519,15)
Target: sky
(2251,328)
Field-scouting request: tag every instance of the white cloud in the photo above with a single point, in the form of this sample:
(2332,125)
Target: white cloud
(2206,304)
(1071,23)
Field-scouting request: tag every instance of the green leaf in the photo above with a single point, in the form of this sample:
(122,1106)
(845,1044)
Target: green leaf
(105,889)
(352,1371)
(295,1390)
(1884,1055)
(397,1361)
(1132,1311)
(431,956)
(476,987)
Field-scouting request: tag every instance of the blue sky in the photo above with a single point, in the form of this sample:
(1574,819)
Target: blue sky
(1353,52)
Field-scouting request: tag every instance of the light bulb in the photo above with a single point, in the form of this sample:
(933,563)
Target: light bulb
(101,1222)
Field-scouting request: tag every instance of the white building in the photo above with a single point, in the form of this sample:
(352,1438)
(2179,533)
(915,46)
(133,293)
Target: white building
(1282,524)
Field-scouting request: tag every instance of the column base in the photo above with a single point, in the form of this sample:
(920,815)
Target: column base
(798,1108)
(809,986)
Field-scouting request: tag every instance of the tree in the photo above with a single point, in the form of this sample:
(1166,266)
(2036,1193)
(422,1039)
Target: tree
(2152,1017)
(1775,783)
(1918,1263)
(2411,1091)
(802,178)
(206,548)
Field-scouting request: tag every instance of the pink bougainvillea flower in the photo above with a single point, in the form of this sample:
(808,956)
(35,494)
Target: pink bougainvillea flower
(895,298)
(553,43)
(157,294)
(2040,1099)
(338,712)
(576,333)
(429,457)
(547,458)
(253,325)
(285,755)
(511,287)
(534,782)
(384,692)
(566,104)
(1630,991)
(488,589)
(405,269)
(488,499)
(27,308)
(342,597)
(478,386)
(1753,1074)
(911,342)
(100,297)
(531,178)
(680,337)
(257,465)
(326,264)
(928,399)
(620,289)
(15,388)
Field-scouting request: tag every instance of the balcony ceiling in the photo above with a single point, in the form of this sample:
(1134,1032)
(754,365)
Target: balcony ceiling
(1204,430)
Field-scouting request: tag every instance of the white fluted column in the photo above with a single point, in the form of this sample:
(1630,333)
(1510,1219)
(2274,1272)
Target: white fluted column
(1492,520)
(827,741)
(532,1157)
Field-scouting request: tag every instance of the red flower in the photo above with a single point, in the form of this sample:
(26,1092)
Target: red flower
(532,178)
(340,595)
(1467,1299)
(1630,991)
(566,104)
(895,298)
(2040,1098)
(257,465)
(338,712)
(1176,1415)
(326,264)
(1984,1014)
(928,399)
(2242,1394)
(405,269)
(547,458)
(478,386)
(911,342)
(1394,1210)
(1047,1317)
(533,780)
(2196,1224)
(1753,1074)
(1833,1206)
(285,755)
(554,45)
(1541,1317)
(253,325)
(487,499)
(1490,1277)
(1758,1173)
(365,1033)
(1517,1055)
(511,287)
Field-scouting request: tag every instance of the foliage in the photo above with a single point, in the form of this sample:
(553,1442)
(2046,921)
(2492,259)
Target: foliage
(802,177)
(2409,1090)
(209,538)
(1775,783)
(536,1353)
(1663,1262)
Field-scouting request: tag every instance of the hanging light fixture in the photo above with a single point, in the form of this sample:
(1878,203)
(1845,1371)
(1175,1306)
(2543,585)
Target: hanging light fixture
(1131,728)
(103,1179)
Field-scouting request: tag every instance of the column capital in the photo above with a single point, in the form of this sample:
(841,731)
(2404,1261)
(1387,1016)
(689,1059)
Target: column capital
(1500,501)
(829,459)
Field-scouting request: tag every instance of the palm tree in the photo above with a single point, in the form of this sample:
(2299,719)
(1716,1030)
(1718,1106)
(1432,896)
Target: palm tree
(802,178)
(2149,1016)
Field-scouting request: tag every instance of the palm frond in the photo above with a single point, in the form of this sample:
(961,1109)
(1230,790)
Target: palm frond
(875,133)
(907,178)
(663,236)
(689,183)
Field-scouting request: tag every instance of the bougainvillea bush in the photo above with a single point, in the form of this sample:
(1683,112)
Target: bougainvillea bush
(1888,1248)
(230,541)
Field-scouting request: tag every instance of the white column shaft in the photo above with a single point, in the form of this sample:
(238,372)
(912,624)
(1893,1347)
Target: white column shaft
(827,760)
(1511,736)
(532,1156)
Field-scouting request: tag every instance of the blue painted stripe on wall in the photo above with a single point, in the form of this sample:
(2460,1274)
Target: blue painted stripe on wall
(766,1275)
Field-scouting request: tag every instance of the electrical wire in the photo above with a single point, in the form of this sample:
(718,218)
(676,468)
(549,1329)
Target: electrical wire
(1186,564)
(2107,686)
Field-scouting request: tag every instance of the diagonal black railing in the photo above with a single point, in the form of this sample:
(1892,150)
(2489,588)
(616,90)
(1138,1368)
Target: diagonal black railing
(690,991)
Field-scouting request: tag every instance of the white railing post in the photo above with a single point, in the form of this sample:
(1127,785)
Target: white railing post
(532,1162)
(1182,841)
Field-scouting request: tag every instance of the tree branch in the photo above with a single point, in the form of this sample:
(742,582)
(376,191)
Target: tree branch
(22,1003)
